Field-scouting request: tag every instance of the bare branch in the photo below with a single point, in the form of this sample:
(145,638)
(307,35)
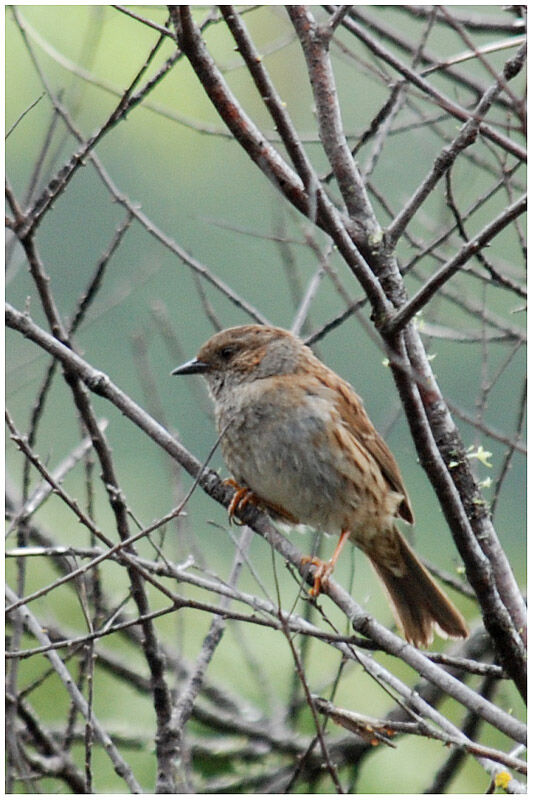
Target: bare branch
(210,482)
(121,767)
(121,560)
(424,295)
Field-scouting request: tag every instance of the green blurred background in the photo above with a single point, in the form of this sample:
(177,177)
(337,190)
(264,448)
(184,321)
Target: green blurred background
(201,190)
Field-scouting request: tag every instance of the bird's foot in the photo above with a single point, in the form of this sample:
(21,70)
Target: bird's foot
(242,497)
(325,568)
(322,573)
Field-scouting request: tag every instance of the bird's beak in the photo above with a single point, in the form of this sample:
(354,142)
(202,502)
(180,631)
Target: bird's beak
(192,367)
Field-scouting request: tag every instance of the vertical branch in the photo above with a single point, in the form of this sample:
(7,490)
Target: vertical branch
(315,43)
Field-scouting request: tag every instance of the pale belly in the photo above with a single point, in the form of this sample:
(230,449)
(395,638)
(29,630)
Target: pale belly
(285,461)
(305,461)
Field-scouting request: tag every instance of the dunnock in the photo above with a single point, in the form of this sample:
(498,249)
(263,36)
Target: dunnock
(299,443)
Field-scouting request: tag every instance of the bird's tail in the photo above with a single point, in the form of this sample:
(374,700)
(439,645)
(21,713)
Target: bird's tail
(419,605)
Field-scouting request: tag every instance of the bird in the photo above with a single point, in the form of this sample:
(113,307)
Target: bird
(299,444)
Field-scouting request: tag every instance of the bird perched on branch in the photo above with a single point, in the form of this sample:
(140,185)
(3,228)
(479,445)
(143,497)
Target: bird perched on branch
(299,443)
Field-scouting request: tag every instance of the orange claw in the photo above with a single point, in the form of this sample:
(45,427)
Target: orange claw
(243,496)
(325,568)
(322,573)
(240,500)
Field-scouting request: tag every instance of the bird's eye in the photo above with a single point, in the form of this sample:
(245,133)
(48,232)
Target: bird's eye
(225,353)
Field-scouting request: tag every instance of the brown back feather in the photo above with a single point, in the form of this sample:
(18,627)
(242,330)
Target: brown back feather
(352,412)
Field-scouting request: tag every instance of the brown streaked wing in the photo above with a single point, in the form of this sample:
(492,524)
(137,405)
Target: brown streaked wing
(352,411)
